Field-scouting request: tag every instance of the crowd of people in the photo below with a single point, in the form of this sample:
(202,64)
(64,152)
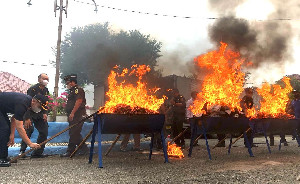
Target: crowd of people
(31,110)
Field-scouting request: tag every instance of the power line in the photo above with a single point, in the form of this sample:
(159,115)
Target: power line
(166,15)
(23,63)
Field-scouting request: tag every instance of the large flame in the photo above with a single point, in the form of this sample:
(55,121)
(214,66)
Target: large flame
(225,82)
(123,94)
(274,100)
(174,151)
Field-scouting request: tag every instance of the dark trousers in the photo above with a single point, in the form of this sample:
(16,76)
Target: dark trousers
(282,137)
(177,128)
(42,128)
(4,135)
(75,132)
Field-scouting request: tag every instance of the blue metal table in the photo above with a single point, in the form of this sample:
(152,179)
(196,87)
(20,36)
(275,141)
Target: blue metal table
(219,125)
(274,126)
(127,124)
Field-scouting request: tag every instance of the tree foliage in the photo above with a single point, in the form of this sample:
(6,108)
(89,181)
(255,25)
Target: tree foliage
(92,51)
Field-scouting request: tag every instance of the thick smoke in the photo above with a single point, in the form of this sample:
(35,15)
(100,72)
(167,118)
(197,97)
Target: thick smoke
(259,42)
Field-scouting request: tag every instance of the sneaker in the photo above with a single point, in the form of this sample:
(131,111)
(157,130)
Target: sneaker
(21,152)
(4,163)
(137,149)
(67,154)
(9,159)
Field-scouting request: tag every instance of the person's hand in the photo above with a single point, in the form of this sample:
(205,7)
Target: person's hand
(45,117)
(71,117)
(11,141)
(34,146)
(27,124)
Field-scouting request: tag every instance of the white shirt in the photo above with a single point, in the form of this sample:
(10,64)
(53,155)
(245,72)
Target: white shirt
(189,103)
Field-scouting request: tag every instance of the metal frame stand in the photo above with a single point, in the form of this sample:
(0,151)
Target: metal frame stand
(97,128)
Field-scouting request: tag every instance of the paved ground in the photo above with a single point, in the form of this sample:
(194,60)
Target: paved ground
(133,167)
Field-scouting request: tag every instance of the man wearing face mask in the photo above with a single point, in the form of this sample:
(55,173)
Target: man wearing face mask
(38,117)
(75,109)
(17,104)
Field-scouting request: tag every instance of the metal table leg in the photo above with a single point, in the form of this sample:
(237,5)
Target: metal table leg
(93,141)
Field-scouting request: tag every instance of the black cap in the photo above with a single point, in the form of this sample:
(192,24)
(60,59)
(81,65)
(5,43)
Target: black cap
(70,78)
(43,100)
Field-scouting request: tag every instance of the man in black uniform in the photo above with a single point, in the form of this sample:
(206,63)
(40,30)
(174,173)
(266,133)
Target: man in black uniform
(17,104)
(75,109)
(179,105)
(39,118)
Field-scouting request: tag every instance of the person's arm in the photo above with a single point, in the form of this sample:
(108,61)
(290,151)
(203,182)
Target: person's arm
(23,135)
(75,108)
(11,141)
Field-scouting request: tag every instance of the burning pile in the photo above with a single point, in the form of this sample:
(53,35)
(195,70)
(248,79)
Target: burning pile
(274,101)
(126,98)
(225,82)
(174,151)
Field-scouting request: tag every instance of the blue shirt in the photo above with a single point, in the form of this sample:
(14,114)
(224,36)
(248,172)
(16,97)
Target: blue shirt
(14,103)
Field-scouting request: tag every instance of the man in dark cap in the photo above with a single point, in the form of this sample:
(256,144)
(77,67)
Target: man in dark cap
(17,104)
(75,109)
(34,116)
(39,118)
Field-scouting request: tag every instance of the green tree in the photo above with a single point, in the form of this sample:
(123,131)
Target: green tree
(93,50)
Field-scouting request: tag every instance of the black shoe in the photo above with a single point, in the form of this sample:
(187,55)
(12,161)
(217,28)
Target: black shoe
(67,154)
(39,156)
(83,150)
(4,163)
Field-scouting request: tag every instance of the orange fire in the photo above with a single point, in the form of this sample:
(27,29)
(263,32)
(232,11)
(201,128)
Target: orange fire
(123,94)
(225,82)
(274,100)
(174,151)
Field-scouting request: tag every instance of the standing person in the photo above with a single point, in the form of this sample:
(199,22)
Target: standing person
(189,113)
(75,109)
(296,107)
(247,103)
(17,104)
(189,104)
(39,119)
(178,102)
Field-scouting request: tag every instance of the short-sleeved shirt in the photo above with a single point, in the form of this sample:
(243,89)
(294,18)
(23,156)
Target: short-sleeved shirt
(36,89)
(15,103)
(75,93)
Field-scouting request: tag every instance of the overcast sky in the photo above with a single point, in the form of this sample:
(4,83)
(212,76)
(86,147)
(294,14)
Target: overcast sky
(28,33)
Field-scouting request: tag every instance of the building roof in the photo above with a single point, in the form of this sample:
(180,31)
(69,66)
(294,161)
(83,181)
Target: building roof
(11,83)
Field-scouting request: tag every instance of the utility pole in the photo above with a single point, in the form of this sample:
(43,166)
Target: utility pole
(61,8)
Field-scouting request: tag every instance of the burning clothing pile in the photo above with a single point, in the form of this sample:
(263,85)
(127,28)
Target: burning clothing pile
(126,109)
